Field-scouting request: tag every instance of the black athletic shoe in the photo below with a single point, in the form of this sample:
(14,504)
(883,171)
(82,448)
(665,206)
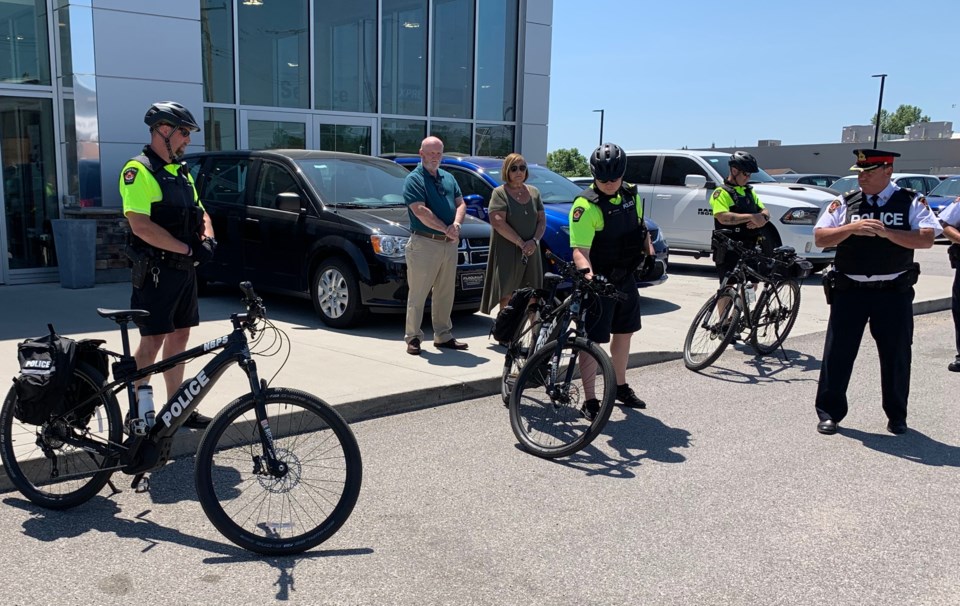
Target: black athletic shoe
(197,421)
(590,409)
(629,399)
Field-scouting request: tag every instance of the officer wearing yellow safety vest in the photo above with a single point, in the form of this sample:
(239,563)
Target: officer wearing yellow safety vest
(609,238)
(170,235)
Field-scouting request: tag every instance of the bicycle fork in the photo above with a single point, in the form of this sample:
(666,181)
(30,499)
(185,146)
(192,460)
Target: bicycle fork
(274,466)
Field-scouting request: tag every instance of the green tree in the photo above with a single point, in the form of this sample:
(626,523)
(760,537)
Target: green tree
(897,122)
(568,162)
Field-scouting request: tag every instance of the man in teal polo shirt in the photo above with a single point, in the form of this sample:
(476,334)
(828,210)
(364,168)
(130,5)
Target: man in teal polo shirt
(435,205)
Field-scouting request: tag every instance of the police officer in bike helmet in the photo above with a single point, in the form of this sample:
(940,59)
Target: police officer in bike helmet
(170,235)
(609,238)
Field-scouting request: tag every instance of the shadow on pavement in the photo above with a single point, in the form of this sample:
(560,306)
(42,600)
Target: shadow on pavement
(635,437)
(764,369)
(912,446)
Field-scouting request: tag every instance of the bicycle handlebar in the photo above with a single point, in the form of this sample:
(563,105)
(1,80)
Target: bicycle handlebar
(598,285)
(255,307)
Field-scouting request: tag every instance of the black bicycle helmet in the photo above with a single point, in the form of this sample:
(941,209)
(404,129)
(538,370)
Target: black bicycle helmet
(744,162)
(608,162)
(172,113)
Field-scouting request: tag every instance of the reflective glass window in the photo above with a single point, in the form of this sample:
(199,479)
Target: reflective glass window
(273,53)
(452,59)
(219,129)
(401,136)
(274,180)
(455,136)
(226,181)
(345,43)
(29,180)
(350,138)
(269,134)
(404,43)
(497,60)
(216,36)
(24,48)
(494,140)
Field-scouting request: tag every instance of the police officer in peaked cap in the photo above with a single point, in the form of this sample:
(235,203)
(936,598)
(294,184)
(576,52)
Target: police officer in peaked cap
(875,230)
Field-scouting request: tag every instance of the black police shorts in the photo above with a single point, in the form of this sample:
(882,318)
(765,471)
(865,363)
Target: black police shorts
(606,316)
(171,301)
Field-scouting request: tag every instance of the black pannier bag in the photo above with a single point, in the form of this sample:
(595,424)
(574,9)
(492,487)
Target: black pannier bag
(510,318)
(46,370)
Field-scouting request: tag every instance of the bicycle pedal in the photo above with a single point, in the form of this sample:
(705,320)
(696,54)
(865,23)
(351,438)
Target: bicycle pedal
(138,427)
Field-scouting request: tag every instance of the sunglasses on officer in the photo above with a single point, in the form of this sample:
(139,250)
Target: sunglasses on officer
(184,131)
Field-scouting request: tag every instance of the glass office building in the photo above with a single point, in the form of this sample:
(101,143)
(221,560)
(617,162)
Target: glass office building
(364,76)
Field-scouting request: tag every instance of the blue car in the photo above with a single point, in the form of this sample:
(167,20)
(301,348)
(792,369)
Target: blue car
(478,176)
(942,195)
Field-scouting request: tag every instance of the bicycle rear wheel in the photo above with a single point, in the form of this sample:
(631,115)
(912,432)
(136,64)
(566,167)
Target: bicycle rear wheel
(518,351)
(775,315)
(546,401)
(42,465)
(279,515)
(711,331)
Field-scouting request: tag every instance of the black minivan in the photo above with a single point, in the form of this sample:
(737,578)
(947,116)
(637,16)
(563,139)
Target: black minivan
(331,226)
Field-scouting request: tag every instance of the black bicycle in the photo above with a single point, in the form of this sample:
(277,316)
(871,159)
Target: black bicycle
(278,471)
(560,369)
(728,313)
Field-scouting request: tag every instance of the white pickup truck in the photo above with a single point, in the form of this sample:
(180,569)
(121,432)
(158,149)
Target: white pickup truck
(676,186)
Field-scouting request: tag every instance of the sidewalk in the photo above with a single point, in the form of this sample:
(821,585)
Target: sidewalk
(366,372)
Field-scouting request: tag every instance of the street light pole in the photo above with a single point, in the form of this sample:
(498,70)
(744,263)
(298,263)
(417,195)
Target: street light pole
(876,128)
(601,124)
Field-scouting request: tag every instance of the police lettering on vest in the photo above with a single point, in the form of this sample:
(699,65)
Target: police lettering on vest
(865,255)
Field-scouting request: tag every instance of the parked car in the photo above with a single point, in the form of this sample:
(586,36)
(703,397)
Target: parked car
(478,176)
(325,225)
(922,184)
(807,179)
(584,182)
(942,195)
(677,185)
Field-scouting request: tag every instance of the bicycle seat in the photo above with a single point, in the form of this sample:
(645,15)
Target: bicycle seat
(784,251)
(121,316)
(551,278)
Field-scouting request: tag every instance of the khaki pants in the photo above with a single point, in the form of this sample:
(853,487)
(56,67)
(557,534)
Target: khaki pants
(431,264)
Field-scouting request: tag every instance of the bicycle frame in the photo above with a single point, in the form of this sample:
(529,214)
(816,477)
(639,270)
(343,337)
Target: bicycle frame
(154,446)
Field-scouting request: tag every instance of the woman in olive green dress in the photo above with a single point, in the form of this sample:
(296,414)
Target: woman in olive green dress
(518,220)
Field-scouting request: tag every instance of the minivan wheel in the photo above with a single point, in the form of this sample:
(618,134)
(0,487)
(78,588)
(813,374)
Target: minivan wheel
(336,294)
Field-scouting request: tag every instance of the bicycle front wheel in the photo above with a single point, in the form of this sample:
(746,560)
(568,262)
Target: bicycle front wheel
(712,330)
(60,463)
(545,406)
(775,316)
(287,513)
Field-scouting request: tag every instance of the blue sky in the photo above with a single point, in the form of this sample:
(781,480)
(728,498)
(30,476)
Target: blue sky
(670,74)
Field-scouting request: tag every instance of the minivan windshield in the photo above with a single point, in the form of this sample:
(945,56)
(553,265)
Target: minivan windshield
(845,184)
(722,165)
(355,183)
(554,188)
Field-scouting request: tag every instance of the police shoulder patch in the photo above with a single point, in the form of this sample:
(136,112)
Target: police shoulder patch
(577,213)
(716,193)
(129,175)
(833,206)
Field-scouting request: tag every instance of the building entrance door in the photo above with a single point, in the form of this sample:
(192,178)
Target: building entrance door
(29,189)
(275,130)
(346,134)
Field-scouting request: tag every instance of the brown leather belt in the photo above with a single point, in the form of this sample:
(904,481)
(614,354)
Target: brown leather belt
(427,234)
